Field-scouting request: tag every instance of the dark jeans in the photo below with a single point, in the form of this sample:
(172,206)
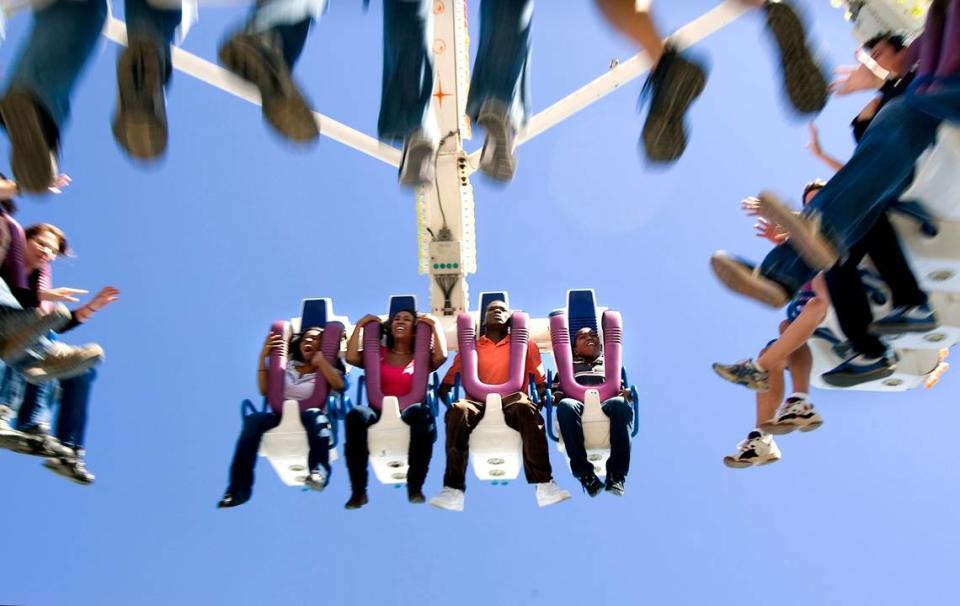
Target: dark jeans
(288,20)
(407,68)
(423,433)
(71,421)
(570,419)
(879,170)
(255,425)
(846,288)
(520,414)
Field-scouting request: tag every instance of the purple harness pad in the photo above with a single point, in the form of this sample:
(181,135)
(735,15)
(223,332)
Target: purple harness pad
(612,325)
(466,337)
(421,365)
(277,365)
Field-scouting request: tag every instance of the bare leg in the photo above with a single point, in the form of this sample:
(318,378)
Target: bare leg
(769,401)
(796,334)
(801,365)
(638,26)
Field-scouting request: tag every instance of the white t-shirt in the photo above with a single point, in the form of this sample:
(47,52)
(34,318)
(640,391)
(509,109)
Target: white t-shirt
(296,386)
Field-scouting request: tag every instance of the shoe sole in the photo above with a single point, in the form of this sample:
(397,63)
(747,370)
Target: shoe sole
(36,375)
(137,127)
(664,135)
(741,280)
(443,507)
(804,81)
(32,160)
(738,464)
(284,106)
(812,247)
(417,154)
(782,429)
(554,501)
(63,472)
(497,162)
(899,329)
(732,378)
(854,380)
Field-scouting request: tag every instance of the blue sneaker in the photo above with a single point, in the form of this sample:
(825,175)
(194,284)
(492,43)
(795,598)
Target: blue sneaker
(919,318)
(745,373)
(861,369)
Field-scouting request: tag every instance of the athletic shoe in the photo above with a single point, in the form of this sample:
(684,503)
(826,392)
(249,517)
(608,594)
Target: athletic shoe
(317,480)
(415,495)
(591,484)
(805,236)
(796,413)
(757,449)
(37,441)
(548,493)
(450,499)
(140,120)
(357,500)
(675,83)
(416,165)
(861,369)
(21,328)
(744,279)
(745,373)
(33,145)
(229,500)
(498,159)
(258,59)
(918,318)
(61,361)
(803,78)
(614,486)
(72,468)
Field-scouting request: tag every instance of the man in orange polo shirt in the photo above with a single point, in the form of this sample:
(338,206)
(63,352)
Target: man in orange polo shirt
(493,364)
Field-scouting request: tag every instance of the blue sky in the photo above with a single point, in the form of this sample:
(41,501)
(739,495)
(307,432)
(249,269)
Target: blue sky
(234,229)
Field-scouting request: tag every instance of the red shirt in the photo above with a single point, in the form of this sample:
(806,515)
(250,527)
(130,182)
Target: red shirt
(395,380)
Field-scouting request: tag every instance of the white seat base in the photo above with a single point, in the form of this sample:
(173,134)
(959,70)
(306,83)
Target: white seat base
(388,441)
(286,447)
(495,448)
(596,433)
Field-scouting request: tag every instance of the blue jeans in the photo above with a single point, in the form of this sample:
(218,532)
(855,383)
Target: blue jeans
(570,419)
(407,69)
(423,433)
(289,20)
(255,425)
(62,40)
(501,69)
(879,171)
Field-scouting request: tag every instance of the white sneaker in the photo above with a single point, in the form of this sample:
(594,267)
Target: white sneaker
(548,493)
(795,413)
(757,449)
(450,499)
(317,480)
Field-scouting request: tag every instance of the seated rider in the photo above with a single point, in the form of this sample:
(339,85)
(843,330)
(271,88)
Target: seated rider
(299,379)
(588,370)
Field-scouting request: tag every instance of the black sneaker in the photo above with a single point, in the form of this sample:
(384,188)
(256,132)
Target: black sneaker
(415,495)
(614,486)
(33,141)
(72,468)
(860,369)
(257,59)
(675,83)
(803,78)
(140,120)
(229,500)
(591,484)
(357,500)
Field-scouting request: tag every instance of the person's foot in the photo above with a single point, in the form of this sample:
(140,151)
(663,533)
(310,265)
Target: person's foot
(317,480)
(71,467)
(450,499)
(805,236)
(140,120)
(803,78)
(548,493)
(746,280)
(591,484)
(22,328)
(796,413)
(37,441)
(33,144)
(757,449)
(61,361)
(415,495)
(356,501)
(416,165)
(231,500)
(861,369)
(919,318)
(675,83)
(614,486)
(498,159)
(257,59)
(744,372)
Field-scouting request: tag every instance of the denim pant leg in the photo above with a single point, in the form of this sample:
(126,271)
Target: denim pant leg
(500,71)
(317,426)
(423,433)
(407,68)
(156,24)
(36,405)
(62,40)
(358,420)
(288,19)
(245,454)
(12,386)
(74,407)
(570,420)
(621,425)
